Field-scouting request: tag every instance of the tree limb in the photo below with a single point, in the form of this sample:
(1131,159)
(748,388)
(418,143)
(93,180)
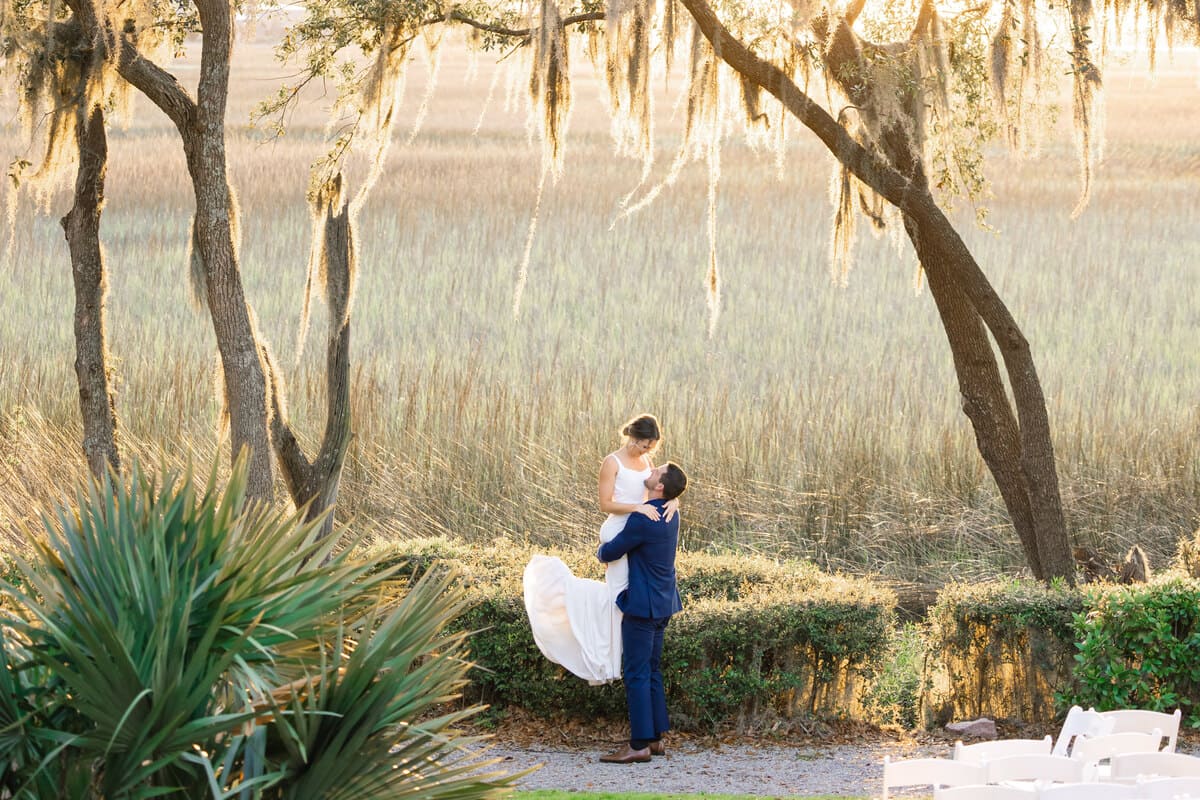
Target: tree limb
(913,199)
(163,89)
(868,167)
(924,20)
(853,10)
(515,33)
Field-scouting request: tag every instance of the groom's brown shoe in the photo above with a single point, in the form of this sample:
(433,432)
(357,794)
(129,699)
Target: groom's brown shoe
(627,755)
(658,748)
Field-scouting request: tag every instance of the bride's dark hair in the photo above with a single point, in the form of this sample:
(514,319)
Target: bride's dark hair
(644,426)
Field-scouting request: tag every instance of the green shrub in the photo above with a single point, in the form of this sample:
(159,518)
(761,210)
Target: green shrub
(729,577)
(1001,649)
(756,638)
(895,695)
(777,653)
(170,641)
(1138,648)
(511,671)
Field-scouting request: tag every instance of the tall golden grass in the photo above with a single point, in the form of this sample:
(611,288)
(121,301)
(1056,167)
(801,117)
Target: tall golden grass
(818,421)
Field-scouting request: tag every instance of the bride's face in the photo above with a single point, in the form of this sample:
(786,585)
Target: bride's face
(640,447)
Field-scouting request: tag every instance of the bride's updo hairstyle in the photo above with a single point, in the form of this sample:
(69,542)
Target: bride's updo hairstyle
(644,426)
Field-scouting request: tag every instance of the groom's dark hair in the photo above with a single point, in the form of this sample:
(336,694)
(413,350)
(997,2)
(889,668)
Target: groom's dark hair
(673,481)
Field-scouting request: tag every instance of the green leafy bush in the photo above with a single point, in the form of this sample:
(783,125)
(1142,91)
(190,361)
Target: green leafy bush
(170,641)
(1138,648)
(756,638)
(895,695)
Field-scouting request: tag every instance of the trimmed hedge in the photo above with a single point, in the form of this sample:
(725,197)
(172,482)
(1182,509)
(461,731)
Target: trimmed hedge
(760,640)
(1021,650)
(756,640)
(999,650)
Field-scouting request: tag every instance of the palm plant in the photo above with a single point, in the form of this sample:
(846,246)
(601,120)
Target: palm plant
(166,640)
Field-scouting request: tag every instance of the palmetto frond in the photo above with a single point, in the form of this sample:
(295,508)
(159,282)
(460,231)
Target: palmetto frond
(175,640)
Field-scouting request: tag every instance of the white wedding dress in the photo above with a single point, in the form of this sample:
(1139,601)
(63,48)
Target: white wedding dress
(575,621)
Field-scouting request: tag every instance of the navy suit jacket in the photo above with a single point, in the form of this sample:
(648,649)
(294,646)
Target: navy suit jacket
(651,550)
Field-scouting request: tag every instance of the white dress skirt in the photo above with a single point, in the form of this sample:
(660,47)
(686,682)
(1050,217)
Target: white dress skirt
(575,621)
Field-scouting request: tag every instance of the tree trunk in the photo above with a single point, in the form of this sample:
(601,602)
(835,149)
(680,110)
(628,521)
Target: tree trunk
(1030,478)
(316,483)
(985,401)
(237,340)
(245,362)
(1016,447)
(983,396)
(97,404)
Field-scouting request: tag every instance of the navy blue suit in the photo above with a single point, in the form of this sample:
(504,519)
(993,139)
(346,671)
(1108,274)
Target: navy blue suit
(648,603)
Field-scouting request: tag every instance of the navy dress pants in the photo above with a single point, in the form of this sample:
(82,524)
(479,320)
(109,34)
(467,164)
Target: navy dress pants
(641,669)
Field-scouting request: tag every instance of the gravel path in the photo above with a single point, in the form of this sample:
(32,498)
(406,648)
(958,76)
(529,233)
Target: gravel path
(757,769)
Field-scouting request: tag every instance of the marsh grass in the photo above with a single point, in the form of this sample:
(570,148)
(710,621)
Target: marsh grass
(817,421)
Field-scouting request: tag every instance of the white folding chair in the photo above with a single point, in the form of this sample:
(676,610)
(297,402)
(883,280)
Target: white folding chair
(1094,749)
(1138,720)
(933,772)
(1057,769)
(983,791)
(1080,723)
(982,752)
(1089,791)
(1127,766)
(1169,788)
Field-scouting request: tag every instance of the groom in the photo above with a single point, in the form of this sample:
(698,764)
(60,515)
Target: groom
(648,604)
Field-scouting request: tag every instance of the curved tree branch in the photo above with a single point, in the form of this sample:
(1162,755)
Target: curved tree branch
(924,20)
(867,166)
(853,10)
(912,197)
(163,89)
(515,33)
(315,484)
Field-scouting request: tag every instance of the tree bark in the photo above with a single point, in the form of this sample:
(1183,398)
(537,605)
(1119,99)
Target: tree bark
(253,387)
(1029,472)
(97,404)
(201,126)
(237,340)
(1016,447)
(983,397)
(316,483)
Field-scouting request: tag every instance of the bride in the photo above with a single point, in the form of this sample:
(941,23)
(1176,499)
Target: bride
(575,621)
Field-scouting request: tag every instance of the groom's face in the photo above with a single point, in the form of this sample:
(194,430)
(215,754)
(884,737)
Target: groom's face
(655,480)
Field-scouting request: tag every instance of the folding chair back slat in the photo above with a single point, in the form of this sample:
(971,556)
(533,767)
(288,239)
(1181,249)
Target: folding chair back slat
(1166,765)
(1094,749)
(1080,723)
(1169,788)
(982,752)
(983,791)
(933,772)
(1139,720)
(1059,769)
(1090,791)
